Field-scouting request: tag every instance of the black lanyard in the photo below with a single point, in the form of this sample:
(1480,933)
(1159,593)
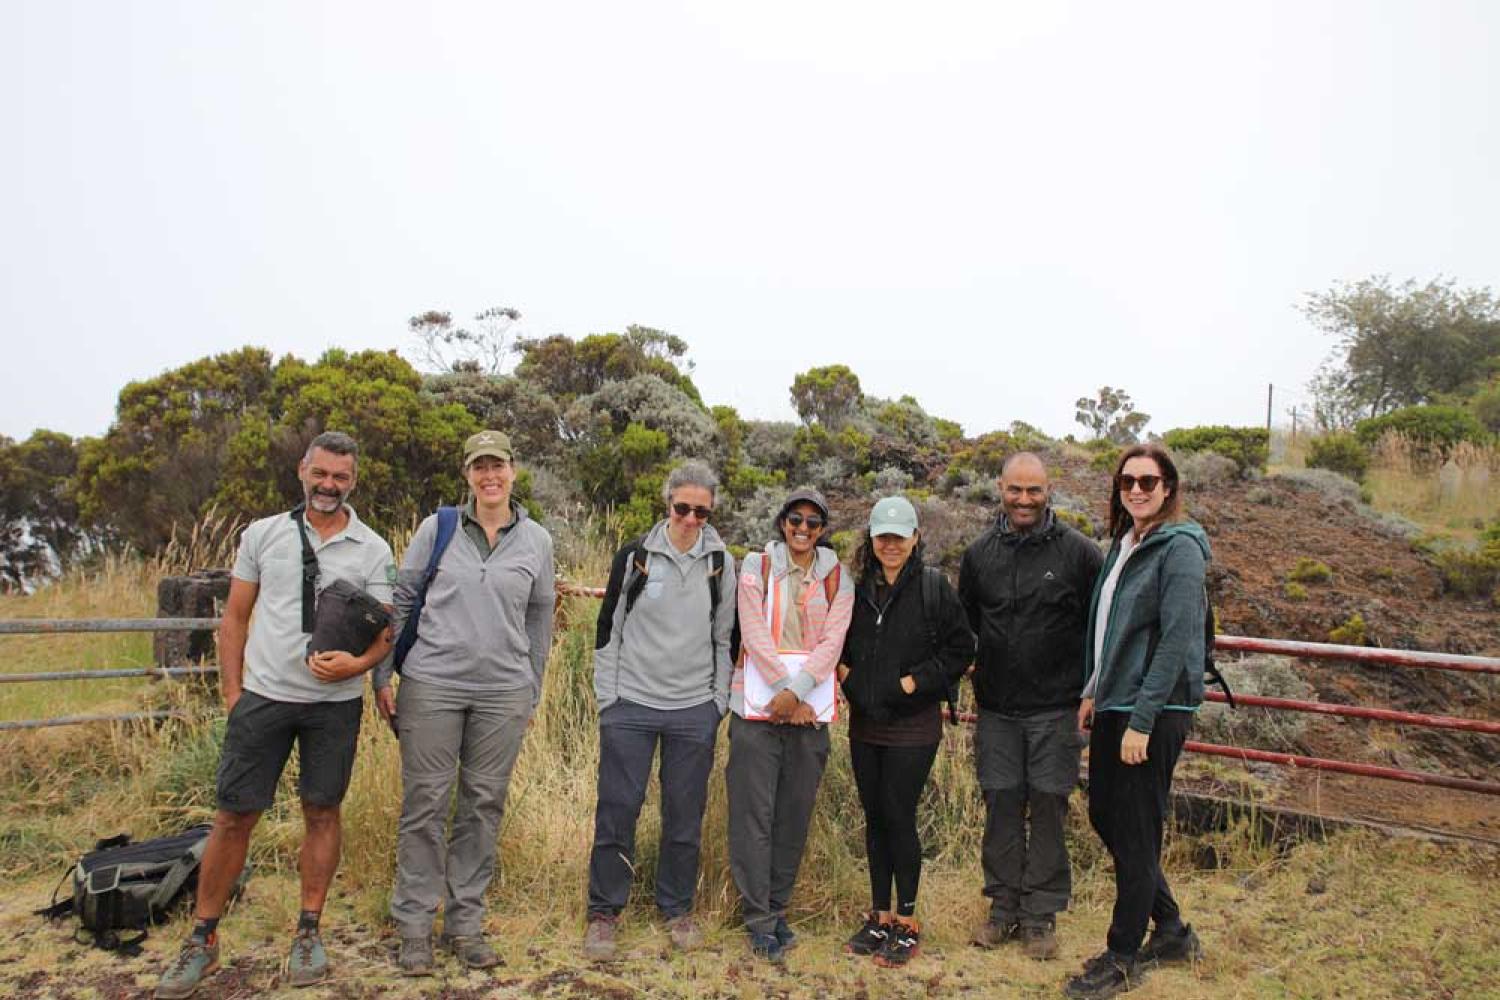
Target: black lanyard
(309,573)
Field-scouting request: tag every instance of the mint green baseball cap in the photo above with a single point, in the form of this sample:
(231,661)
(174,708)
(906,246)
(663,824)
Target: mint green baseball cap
(893,516)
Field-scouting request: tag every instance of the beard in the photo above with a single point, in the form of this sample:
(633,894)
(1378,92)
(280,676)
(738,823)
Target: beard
(324,500)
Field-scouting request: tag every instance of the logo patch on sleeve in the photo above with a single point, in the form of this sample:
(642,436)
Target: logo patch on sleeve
(749,578)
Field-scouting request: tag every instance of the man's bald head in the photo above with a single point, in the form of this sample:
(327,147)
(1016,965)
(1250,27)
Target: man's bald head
(1025,458)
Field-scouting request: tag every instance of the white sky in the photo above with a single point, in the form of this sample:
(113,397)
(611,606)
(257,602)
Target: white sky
(995,207)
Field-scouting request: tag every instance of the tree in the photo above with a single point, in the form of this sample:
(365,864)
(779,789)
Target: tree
(226,432)
(442,347)
(1401,345)
(566,369)
(829,395)
(1112,416)
(39,529)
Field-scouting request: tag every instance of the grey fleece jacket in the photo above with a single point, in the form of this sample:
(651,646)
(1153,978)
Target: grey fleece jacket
(662,654)
(487,624)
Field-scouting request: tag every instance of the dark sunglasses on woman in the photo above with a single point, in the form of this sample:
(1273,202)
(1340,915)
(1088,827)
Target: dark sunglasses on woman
(1148,483)
(684,509)
(813,521)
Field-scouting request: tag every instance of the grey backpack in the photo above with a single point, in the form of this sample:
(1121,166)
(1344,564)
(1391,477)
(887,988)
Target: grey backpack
(121,885)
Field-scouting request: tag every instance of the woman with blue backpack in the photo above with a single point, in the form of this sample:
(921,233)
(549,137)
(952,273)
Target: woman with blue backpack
(474,604)
(1145,665)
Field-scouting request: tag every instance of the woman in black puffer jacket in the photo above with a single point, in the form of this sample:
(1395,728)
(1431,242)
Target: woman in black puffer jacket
(897,668)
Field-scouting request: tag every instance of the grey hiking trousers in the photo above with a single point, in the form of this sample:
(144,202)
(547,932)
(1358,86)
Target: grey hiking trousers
(772,781)
(446,732)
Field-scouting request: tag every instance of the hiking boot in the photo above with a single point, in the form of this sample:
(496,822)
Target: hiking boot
(415,957)
(1105,975)
(307,962)
(785,934)
(471,950)
(599,939)
(194,963)
(870,938)
(994,933)
(903,945)
(685,932)
(1039,942)
(767,947)
(1180,945)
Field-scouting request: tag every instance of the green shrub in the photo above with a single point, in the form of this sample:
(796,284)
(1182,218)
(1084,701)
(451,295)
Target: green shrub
(1485,405)
(986,453)
(1202,469)
(1249,447)
(1340,452)
(1473,572)
(1079,521)
(1351,633)
(1105,459)
(1436,427)
(1295,591)
(1310,571)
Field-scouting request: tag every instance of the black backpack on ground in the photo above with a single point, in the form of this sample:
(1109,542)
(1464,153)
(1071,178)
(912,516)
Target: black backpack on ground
(122,886)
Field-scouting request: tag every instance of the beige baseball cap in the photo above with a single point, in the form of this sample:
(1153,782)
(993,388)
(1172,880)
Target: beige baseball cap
(491,443)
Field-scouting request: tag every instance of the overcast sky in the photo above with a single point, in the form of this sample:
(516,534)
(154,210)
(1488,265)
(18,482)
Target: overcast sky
(995,207)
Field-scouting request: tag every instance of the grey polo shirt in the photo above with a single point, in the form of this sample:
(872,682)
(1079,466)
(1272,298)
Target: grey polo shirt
(270,555)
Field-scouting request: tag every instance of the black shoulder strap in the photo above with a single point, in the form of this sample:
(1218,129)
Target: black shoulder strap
(637,555)
(932,611)
(716,560)
(1210,669)
(309,573)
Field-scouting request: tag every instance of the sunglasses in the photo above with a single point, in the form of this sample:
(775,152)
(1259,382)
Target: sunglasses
(684,509)
(813,521)
(1148,484)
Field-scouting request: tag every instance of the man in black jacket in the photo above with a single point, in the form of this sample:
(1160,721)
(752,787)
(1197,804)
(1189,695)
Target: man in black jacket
(1025,585)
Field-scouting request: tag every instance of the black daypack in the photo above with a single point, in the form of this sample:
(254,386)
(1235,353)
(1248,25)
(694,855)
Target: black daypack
(1210,669)
(932,596)
(123,886)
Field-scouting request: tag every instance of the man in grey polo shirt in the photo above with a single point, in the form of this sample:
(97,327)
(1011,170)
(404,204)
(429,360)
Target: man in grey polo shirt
(275,695)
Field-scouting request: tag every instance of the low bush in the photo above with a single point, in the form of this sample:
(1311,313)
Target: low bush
(1203,469)
(1473,572)
(1308,570)
(1294,591)
(1266,729)
(1351,633)
(1342,452)
(1247,447)
(1436,428)
(1335,487)
(891,480)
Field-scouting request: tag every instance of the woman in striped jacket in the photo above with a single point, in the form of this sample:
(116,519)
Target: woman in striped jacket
(794,607)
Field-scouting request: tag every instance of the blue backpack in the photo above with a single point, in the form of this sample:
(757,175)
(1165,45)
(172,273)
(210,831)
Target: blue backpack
(447,525)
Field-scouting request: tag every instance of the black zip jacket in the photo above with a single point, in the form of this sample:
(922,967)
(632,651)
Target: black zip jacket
(1027,598)
(885,643)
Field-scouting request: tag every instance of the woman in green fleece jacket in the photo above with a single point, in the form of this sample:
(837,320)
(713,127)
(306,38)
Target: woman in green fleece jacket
(1145,660)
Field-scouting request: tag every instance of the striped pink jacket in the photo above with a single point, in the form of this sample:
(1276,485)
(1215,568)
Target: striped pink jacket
(823,627)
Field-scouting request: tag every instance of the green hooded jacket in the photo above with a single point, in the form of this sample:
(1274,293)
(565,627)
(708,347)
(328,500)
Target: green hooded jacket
(1153,642)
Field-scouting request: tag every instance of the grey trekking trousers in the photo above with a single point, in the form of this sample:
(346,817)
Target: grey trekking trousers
(772,780)
(447,732)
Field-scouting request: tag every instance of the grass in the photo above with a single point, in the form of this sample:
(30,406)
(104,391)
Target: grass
(1422,925)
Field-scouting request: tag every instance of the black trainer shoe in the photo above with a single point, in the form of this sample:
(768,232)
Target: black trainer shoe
(903,945)
(870,938)
(1105,975)
(1166,947)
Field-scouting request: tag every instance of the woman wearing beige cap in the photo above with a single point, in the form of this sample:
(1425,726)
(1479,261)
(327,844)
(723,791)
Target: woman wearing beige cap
(479,580)
(908,643)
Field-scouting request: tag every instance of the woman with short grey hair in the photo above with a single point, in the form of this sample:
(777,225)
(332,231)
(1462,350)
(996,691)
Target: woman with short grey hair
(661,677)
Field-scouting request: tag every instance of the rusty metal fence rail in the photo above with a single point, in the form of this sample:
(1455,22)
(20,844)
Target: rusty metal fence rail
(1418,659)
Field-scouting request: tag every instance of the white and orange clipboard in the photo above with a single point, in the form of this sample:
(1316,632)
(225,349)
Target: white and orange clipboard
(758,693)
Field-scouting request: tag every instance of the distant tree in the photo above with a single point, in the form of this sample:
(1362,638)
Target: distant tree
(829,395)
(442,347)
(1111,416)
(227,432)
(1401,345)
(566,369)
(517,406)
(39,527)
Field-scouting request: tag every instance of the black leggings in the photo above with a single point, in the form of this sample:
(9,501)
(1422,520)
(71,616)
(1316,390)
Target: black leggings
(890,781)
